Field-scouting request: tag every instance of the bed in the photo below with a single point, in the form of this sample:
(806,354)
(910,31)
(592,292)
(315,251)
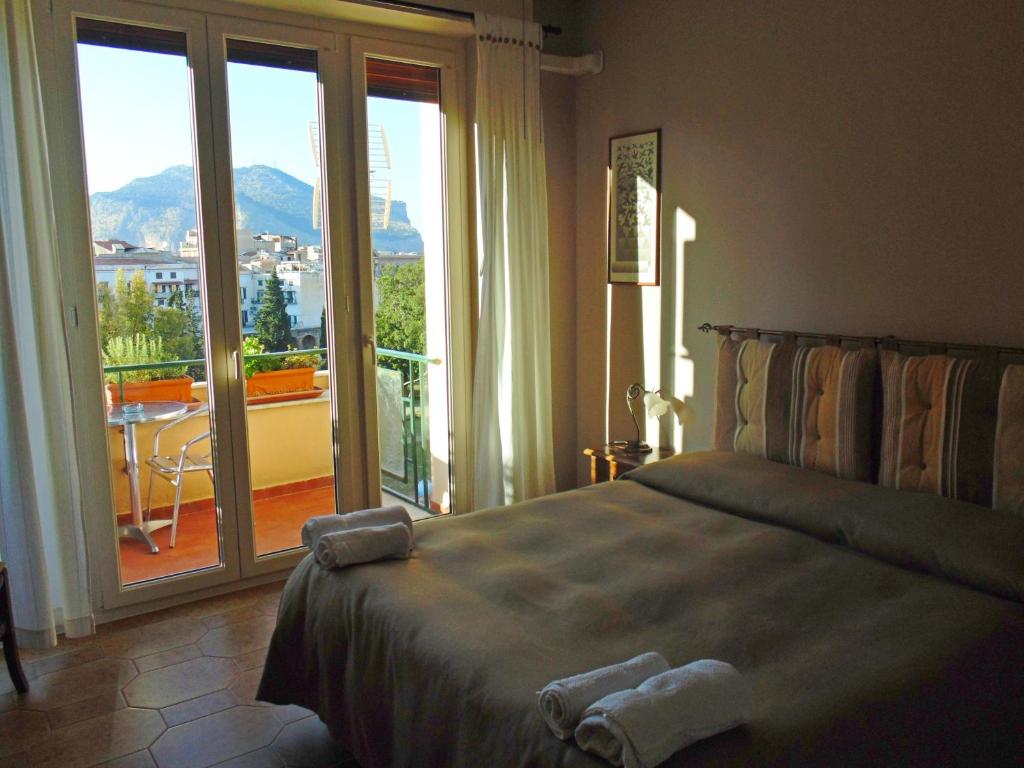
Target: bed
(877,626)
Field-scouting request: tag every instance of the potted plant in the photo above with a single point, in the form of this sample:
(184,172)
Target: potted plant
(144,384)
(277,375)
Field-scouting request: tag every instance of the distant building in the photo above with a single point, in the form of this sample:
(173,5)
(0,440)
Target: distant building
(164,273)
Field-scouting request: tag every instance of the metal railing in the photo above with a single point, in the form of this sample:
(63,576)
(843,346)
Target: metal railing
(413,485)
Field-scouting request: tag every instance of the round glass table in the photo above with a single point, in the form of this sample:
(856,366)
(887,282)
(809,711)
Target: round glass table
(128,415)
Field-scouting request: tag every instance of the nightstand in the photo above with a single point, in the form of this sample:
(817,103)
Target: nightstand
(608,462)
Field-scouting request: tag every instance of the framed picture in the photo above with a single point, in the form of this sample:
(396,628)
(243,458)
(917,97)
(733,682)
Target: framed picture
(634,208)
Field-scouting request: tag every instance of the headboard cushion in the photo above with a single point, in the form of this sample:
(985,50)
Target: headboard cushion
(941,418)
(753,397)
(808,406)
(1008,481)
(831,424)
(939,425)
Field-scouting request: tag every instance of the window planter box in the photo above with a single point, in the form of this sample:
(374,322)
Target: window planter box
(178,390)
(280,382)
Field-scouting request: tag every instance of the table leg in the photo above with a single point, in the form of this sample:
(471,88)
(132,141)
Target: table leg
(139,528)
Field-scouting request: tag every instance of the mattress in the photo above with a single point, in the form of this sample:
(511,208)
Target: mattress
(877,627)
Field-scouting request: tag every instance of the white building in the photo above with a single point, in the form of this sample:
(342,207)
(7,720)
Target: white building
(303,287)
(163,272)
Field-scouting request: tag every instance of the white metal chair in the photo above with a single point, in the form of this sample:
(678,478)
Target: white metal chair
(174,468)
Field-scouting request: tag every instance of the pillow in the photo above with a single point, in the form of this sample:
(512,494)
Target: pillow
(1008,472)
(833,411)
(752,397)
(938,425)
(808,406)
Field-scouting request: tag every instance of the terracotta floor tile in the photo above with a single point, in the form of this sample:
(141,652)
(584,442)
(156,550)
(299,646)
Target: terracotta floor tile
(20,730)
(261,758)
(193,709)
(99,739)
(9,701)
(289,713)
(136,641)
(57,662)
(307,744)
(277,519)
(252,659)
(215,738)
(238,638)
(103,704)
(231,617)
(245,686)
(76,684)
(167,658)
(180,682)
(135,760)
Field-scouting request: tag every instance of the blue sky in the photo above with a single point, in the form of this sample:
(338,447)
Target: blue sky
(136,119)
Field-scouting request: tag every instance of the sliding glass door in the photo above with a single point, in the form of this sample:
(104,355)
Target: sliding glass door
(271,114)
(263,275)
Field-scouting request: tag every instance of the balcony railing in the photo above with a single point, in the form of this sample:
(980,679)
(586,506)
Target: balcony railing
(407,477)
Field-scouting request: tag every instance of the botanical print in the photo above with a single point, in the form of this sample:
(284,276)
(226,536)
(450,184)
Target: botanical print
(633,244)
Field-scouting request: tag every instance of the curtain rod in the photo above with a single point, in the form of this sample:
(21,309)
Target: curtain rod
(932,346)
(548,28)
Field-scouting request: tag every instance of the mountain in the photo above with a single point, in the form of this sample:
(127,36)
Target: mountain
(158,210)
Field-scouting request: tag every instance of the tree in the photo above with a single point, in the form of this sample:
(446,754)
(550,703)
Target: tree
(110,320)
(129,310)
(136,304)
(323,337)
(273,326)
(401,308)
(172,324)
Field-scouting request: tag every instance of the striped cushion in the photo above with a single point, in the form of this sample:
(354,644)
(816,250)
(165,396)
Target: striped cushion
(811,407)
(753,397)
(831,421)
(1008,491)
(939,423)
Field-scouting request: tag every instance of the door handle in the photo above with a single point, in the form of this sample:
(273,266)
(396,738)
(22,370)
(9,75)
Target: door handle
(368,341)
(236,357)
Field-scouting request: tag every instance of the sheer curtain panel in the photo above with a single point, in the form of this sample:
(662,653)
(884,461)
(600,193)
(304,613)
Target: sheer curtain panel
(512,431)
(41,533)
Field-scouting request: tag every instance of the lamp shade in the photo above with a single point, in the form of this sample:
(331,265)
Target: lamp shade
(656,405)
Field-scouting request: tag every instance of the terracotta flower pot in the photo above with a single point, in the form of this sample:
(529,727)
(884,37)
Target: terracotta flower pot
(280,382)
(178,390)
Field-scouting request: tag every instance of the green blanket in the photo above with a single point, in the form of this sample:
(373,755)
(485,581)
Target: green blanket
(877,627)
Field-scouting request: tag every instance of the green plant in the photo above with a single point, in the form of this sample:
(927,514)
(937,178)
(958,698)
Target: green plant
(273,326)
(401,318)
(139,349)
(251,347)
(309,360)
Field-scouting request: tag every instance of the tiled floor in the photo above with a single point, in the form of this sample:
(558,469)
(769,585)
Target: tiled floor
(173,689)
(278,516)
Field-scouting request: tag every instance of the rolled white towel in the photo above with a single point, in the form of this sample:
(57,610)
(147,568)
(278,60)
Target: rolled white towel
(562,701)
(642,727)
(316,527)
(363,545)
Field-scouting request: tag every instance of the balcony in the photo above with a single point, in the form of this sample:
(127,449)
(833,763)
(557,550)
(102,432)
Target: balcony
(291,457)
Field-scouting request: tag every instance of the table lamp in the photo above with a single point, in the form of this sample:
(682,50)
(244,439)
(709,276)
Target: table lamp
(655,406)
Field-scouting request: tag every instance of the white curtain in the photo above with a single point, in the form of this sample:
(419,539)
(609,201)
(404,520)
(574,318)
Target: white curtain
(41,532)
(512,431)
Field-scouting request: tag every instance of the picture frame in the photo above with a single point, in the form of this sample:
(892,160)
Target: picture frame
(634,208)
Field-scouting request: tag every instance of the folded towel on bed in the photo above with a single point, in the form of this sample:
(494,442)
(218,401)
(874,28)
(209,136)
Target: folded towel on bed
(316,527)
(642,727)
(562,702)
(363,545)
